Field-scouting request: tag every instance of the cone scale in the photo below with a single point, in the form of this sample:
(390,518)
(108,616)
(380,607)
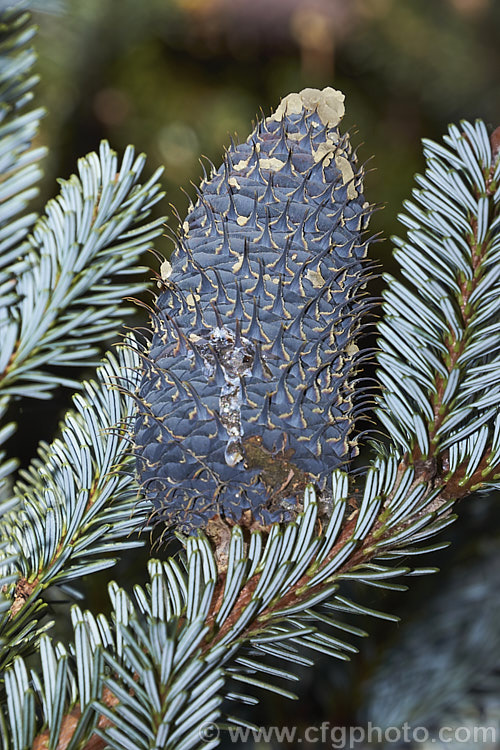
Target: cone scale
(247,390)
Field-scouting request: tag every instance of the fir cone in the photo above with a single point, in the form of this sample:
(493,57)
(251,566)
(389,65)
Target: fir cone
(247,391)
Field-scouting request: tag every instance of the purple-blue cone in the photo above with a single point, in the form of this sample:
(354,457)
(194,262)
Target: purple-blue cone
(247,390)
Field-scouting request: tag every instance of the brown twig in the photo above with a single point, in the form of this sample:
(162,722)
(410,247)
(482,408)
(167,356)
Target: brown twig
(70,723)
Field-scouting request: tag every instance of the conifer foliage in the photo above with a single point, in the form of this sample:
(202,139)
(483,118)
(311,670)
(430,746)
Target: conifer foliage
(239,415)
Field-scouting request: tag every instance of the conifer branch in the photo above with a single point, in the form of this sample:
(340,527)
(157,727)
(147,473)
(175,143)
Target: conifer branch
(74,505)
(18,160)
(266,599)
(59,295)
(6,561)
(440,345)
(262,594)
(19,171)
(90,236)
(264,560)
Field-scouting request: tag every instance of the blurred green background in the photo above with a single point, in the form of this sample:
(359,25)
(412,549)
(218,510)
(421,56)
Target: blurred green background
(178,77)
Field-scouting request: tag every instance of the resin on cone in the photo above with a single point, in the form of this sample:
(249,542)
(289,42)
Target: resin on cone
(247,391)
